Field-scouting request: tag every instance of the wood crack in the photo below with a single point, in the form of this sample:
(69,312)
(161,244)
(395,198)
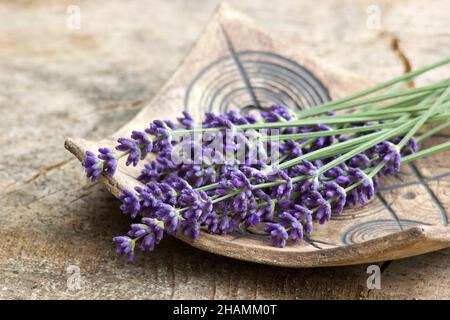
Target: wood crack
(241,69)
(47,169)
(431,194)
(122,106)
(400,53)
(41,172)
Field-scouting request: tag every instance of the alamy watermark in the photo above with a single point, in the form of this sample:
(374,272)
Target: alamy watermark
(374,280)
(250,147)
(73,274)
(73,20)
(373,21)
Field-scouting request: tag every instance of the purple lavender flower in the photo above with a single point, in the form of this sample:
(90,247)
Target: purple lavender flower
(363,192)
(282,190)
(359,161)
(335,172)
(151,171)
(324,141)
(171,201)
(320,142)
(323,213)
(254,174)
(226,120)
(290,147)
(235,221)
(148,234)
(253,219)
(313,200)
(191,228)
(198,204)
(335,195)
(211,222)
(150,198)
(294,209)
(231,180)
(294,227)
(188,197)
(305,168)
(409,148)
(386,151)
(224,225)
(198,175)
(236,119)
(161,130)
(376,184)
(143,141)
(277,234)
(129,145)
(169,216)
(265,210)
(109,161)
(367,190)
(244,203)
(276,113)
(125,245)
(168,193)
(352,198)
(308,226)
(91,166)
(216,121)
(149,242)
(187,121)
(165,159)
(130,203)
(138,230)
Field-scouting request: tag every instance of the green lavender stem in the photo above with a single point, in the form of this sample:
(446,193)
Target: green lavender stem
(426,152)
(423,91)
(337,148)
(405,77)
(365,146)
(433,131)
(438,104)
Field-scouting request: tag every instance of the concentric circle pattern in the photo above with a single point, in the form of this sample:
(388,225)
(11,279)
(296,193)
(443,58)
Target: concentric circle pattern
(261,79)
(370,208)
(375,229)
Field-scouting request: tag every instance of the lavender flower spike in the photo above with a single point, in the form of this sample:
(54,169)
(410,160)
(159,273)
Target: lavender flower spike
(125,245)
(130,203)
(92,166)
(162,136)
(109,161)
(143,141)
(293,225)
(278,234)
(130,146)
(149,231)
(187,121)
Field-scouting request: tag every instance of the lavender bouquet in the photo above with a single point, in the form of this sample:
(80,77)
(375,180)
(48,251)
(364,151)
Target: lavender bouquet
(287,170)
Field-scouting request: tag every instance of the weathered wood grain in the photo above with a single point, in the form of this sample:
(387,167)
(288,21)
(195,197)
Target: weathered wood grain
(96,78)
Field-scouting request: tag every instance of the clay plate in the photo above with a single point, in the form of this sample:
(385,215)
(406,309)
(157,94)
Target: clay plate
(235,65)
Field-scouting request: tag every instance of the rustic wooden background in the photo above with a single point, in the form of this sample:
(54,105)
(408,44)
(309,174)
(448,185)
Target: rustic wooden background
(57,82)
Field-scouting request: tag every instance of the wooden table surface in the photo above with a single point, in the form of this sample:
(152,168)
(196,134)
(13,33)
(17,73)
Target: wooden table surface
(57,81)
